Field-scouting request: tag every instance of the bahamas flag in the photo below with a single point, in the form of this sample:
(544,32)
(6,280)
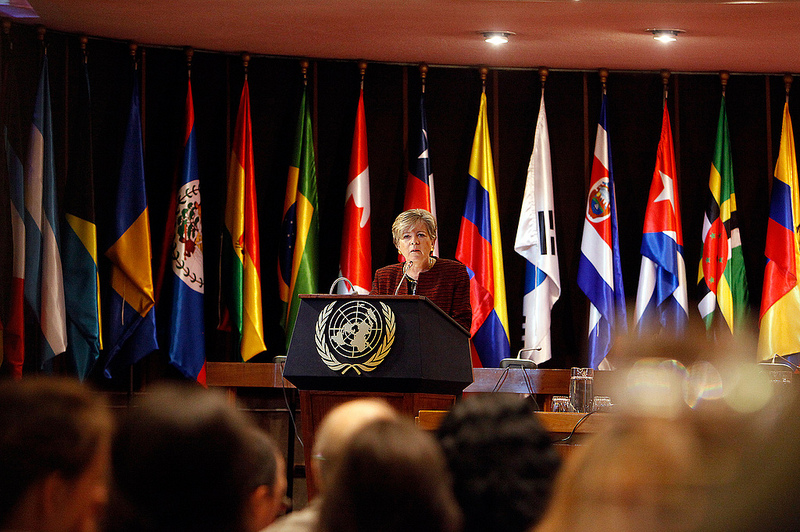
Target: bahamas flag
(14,334)
(661,301)
(298,262)
(419,183)
(721,280)
(44,283)
(600,268)
(355,261)
(536,242)
(187,347)
(780,300)
(131,306)
(241,258)
(481,251)
(79,239)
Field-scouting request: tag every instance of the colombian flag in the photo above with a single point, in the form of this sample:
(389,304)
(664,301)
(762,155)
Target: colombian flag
(480,249)
(132,317)
(298,262)
(241,262)
(780,301)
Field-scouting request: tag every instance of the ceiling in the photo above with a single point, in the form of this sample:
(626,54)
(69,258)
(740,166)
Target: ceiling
(739,36)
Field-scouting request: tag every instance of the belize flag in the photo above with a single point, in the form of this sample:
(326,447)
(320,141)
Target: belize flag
(779,328)
(419,183)
(661,301)
(600,268)
(481,251)
(187,349)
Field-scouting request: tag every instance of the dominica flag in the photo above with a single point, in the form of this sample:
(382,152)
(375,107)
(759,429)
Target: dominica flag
(298,261)
(481,251)
(241,256)
(721,280)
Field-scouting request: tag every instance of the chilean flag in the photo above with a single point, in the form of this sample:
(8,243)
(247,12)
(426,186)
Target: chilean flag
(600,268)
(419,184)
(661,302)
(356,256)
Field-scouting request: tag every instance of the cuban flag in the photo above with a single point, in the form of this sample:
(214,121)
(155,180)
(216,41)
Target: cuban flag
(187,351)
(536,242)
(600,268)
(419,183)
(661,301)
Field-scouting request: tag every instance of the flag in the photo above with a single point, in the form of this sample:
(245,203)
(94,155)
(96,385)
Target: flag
(44,283)
(419,183)
(298,266)
(599,266)
(187,348)
(536,242)
(79,240)
(480,249)
(356,256)
(721,279)
(132,323)
(241,258)
(14,333)
(779,328)
(661,301)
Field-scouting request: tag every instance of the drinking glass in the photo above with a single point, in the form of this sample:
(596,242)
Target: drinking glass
(581,389)
(561,403)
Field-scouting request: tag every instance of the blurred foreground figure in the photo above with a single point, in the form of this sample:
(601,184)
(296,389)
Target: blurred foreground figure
(335,432)
(185,459)
(501,459)
(55,437)
(391,478)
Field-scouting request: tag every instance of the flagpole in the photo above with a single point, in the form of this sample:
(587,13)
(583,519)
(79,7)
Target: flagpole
(423,74)
(245,63)
(665,81)
(484,72)
(787,83)
(603,78)
(362,67)
(724,76)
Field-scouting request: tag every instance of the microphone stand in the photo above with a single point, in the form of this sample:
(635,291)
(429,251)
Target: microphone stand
(406,266)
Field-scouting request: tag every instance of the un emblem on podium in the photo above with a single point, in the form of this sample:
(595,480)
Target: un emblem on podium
(354,335)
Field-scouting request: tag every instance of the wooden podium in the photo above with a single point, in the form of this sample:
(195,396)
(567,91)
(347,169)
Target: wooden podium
(402,349)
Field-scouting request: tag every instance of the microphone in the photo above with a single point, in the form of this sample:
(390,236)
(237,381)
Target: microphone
(406,266)
(347,281)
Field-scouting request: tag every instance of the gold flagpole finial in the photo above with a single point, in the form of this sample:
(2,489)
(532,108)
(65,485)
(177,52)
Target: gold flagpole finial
(362,67)
(132,47)
(484,71)
(40,32)
(423,74)
(724,76)
(603,78)
(543,72)
(665,81)
(84,40)
(189,51)
(304,69)
(787,83)
(245,63)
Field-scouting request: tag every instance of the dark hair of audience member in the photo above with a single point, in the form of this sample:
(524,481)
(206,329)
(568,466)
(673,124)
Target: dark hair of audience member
(501,459)
(185,459)
(392,478)
(50,426)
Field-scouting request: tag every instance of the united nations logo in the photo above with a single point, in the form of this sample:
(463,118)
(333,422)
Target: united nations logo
(355,335)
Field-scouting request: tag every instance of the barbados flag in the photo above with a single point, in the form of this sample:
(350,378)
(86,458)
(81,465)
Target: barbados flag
(600,268)
(661,301)
(44,283)
(241,255)
(79,250)
(481,251)
(419,183)
(298,265)
(187,348)
(355,261)
(780,301)
(131,308)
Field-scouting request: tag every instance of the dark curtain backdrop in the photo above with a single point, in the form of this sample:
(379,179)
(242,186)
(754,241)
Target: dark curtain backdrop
(754,102)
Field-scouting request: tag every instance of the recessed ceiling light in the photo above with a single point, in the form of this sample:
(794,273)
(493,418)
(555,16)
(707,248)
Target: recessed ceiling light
(665,36)
(496,37)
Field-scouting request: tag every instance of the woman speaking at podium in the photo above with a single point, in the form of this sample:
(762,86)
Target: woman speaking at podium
(443,281)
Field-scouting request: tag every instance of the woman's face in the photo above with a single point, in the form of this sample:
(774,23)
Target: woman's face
(415,243)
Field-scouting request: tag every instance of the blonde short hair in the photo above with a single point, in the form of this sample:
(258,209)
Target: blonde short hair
(410,217)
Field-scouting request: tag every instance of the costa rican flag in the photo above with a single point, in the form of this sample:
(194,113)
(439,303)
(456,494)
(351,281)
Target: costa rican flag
(599,269)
